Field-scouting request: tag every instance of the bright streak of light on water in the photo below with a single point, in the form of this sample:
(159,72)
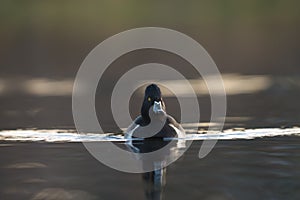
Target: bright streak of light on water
(72,136)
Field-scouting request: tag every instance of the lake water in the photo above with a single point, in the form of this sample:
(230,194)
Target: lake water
(244,164)
(259,163)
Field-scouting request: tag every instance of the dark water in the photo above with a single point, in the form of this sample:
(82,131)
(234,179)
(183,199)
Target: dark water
(266,168)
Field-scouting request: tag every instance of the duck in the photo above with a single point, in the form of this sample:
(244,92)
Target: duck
(153,121)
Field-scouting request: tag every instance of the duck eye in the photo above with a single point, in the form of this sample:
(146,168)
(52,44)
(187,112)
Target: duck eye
(149,99)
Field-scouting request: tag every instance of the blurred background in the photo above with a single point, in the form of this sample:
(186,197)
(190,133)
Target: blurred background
(255,44)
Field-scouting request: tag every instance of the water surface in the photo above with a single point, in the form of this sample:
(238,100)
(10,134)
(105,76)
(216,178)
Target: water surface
(237,168)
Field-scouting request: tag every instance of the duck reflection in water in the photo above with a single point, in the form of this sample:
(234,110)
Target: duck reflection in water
(156,129)
(154,181)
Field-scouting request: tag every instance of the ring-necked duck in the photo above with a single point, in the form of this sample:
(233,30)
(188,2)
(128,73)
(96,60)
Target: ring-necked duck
(153,112)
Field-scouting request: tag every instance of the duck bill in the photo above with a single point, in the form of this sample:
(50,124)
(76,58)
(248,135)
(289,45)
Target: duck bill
(157,107)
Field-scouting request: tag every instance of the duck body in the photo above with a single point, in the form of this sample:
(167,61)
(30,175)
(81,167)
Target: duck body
(154,122)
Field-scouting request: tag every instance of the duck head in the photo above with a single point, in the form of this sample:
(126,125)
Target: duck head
(153,104)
